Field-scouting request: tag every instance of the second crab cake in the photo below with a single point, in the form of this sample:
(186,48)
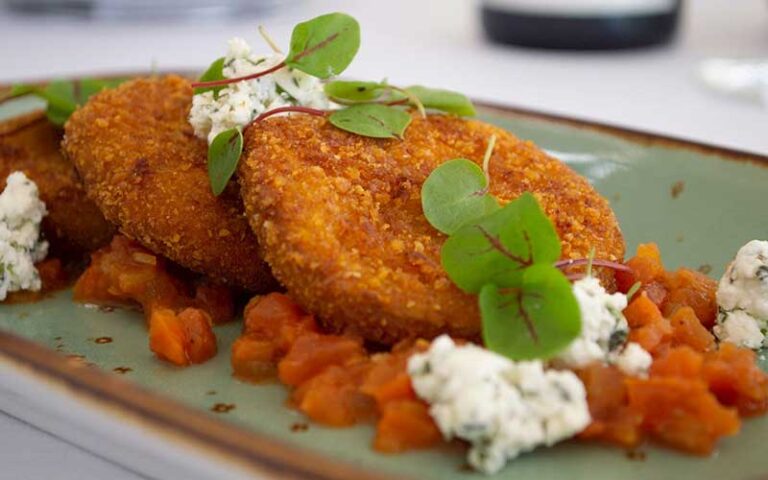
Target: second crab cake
(143,166)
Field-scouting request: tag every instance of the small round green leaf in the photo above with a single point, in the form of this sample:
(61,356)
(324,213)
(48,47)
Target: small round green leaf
(88,87)
(372,120)
(64,96)
(223,156)
(215,72)
(498,247)
(324,46)
(354,91)
(456,193)
(443,100)
(536,320)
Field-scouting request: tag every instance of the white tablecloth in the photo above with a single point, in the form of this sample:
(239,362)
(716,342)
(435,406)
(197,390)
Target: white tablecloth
(436,43)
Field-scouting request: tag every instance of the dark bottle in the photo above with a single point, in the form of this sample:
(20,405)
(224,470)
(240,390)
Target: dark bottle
(581,24)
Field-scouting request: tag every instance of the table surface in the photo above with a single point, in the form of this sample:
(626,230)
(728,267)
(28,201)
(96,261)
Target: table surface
(430,42)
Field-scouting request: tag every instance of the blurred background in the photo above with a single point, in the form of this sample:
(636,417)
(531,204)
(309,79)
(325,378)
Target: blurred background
(665,88)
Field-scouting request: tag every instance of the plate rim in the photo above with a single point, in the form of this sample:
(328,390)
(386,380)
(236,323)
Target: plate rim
(635,135)
(222,439)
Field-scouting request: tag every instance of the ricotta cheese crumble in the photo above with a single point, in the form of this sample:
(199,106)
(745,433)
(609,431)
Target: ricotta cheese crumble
(21,212)
(502,408)
(604,332)
(239,103)
(742,298)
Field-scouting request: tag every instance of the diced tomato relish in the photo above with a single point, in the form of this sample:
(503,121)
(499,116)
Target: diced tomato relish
(695,390)
(180,315)
(692,397)
(336,381)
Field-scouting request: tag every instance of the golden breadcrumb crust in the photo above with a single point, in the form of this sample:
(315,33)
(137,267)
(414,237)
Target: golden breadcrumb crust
(143,166)
(339,218)
(31,144)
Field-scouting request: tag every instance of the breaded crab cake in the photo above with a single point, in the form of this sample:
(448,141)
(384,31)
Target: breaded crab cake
(339,218)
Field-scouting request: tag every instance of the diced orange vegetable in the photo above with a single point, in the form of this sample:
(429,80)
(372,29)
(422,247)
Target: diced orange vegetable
(648,327)
(313,353)
(688,330)
(735,378)
(405,425)
(125,273)
(333,397)
(272,324)
(612,419)
(646,265)
(688,288)
(264,312)
(681,362)
(276,318)
(388,379)
(182,339)
(681,413)
(253,359)
(656,292)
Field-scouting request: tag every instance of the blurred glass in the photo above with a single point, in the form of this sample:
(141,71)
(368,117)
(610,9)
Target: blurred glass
(148,10)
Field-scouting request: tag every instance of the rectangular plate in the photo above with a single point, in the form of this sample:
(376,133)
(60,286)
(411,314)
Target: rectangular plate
(158,419)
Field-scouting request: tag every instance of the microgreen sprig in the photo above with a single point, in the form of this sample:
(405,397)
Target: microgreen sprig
(508,256)
(63,96)
(323,47)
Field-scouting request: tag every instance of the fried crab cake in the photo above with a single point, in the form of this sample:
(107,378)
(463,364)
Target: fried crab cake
(339,218)
(31,144)
(143,166)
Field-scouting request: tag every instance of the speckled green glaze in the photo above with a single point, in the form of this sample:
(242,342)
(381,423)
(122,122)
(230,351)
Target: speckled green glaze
(721,206)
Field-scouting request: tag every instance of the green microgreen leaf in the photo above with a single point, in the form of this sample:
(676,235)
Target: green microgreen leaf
(499,247)
(60,95)
(215,72)
(64,96)
(324,46)
(372,120)
(354,91)
(87,87)
(223,156)
(536,319)
(443,100)
(456,193)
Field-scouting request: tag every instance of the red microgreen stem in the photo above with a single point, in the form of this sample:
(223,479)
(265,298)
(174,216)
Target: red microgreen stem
(563,264)
(295,109)
(227,81)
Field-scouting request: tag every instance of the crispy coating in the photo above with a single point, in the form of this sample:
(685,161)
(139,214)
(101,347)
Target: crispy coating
(143,166)
(31,144)
(339,218)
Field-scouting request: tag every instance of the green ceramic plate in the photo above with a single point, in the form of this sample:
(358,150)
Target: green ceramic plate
(718,205)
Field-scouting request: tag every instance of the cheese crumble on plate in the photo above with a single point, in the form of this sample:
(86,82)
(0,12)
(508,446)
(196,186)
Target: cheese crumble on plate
(742,298)
(239,103)
(604,332)
(21,212)
(502,408)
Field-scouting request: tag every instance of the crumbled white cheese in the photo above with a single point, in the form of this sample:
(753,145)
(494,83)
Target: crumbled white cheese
(21,212)
(239,103)
(604,331)
(740,328)
(742,297)
(502,408)
(633,359)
